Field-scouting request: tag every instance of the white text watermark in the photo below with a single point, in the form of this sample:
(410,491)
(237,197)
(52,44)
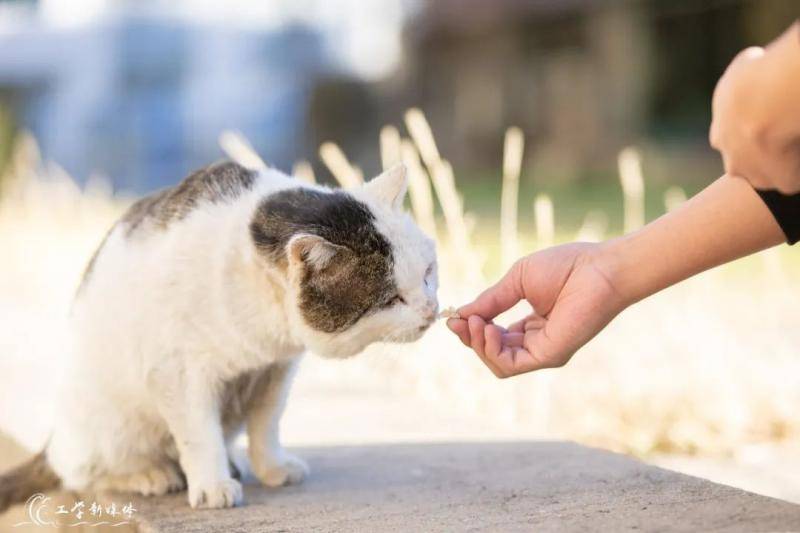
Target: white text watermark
(42,513)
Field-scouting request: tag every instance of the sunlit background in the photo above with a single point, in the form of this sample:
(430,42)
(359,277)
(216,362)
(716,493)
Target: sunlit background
(524,123)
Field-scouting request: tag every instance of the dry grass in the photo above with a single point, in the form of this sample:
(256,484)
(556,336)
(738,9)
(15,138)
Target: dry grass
(509,201)
(708,367)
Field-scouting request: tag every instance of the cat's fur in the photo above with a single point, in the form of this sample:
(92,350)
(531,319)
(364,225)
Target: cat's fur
(194,312)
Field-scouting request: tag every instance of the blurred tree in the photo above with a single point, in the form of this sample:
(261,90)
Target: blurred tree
(768,18)
(695,42)
(8,129)
(344,110)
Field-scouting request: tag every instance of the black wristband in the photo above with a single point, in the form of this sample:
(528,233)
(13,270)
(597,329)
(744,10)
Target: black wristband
(786,210)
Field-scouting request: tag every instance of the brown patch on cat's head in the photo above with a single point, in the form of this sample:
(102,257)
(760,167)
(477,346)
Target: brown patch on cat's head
(329,244)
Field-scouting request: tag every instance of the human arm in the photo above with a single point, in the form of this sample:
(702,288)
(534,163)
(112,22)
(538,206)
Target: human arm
(577,289)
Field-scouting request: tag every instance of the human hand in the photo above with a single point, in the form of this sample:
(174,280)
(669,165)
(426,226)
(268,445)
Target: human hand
(577,289)
(756,115)
(571,291)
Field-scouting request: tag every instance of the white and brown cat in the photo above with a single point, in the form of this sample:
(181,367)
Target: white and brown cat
(193,314)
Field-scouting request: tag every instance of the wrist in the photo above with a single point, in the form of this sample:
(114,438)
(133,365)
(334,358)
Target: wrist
(613,260)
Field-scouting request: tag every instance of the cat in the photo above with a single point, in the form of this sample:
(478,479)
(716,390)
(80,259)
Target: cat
(193,314)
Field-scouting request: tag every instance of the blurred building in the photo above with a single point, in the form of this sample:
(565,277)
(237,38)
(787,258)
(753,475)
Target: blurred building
(581,77)
(140,90)
(143,100)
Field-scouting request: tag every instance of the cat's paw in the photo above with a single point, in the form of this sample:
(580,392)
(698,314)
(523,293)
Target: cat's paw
(159,480)
(155,481)
(289,470)
(215,494)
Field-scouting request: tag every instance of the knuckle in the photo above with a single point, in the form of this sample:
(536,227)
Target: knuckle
(713,136)
(752,52)
(747,55)
(519,266)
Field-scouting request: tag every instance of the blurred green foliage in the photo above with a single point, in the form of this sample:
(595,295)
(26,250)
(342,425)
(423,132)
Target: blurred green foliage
(571,200)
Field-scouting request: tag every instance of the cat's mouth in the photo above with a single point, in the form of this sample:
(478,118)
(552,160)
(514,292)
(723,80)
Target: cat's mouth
(409,335)
(429,320)
(423,328)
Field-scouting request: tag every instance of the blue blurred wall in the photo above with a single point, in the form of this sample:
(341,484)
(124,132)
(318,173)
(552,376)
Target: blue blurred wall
(143,100)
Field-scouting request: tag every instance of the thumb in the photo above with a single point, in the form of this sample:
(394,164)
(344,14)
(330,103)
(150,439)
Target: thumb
(498,298)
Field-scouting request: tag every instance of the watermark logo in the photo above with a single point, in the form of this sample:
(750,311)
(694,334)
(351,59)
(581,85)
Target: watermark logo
(38,508)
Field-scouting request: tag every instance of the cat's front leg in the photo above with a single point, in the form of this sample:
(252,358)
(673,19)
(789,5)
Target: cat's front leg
(270,463)
(191,410)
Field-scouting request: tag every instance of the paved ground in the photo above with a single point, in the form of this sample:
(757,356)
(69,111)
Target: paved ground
(520,486)
(523,486)
(530,486)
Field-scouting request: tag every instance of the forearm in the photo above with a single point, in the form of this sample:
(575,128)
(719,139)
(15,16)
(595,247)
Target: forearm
(724,222)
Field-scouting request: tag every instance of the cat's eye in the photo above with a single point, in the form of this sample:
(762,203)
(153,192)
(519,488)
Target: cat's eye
(428,274)
(396,299)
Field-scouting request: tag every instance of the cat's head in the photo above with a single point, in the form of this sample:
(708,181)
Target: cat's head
(359,270)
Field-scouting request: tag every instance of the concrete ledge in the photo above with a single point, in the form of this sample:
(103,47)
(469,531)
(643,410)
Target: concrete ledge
(534,486)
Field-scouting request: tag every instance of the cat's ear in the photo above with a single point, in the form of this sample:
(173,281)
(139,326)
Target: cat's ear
(390,187)
(311,250)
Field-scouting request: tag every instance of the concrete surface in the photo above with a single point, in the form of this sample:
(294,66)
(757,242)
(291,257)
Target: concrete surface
(521,486)
(771,469)
(533,486)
